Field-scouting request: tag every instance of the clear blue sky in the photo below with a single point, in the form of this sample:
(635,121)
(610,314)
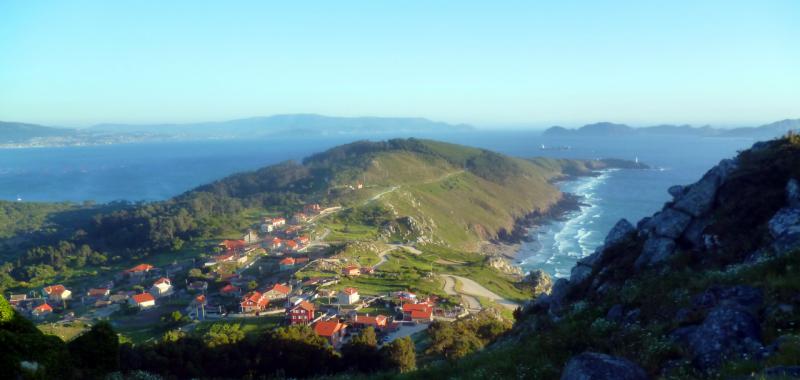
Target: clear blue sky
(493,63)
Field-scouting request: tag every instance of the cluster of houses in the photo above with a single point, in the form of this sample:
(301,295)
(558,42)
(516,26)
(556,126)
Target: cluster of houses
(300,302)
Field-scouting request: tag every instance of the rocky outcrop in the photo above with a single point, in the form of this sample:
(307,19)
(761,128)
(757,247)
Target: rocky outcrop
(656,250)
(503,265)
(621,230)
(683,220)
(785,225)
(540,283)
(585,266)
(596,366)
(730,330)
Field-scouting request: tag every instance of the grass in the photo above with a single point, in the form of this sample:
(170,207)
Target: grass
(65,331)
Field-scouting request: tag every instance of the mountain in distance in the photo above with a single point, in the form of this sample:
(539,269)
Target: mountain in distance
(607,129)
(290,123)
(11,132)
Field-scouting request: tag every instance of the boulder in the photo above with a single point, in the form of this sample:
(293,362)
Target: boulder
(669,223)
(655,250)
(596,366)
(793,193)
(540,282)
(785,229)
(618,232)
(694,233)
(747,297)
(728,333)
(579,273)
(676,191)
(699,197)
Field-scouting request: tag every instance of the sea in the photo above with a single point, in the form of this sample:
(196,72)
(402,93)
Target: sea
(156,171)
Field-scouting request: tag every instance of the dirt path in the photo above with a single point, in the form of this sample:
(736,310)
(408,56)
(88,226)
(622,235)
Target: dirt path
(472,289)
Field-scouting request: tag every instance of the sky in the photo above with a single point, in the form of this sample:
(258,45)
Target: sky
(490,64)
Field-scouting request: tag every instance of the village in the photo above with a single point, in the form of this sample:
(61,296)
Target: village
(247,279)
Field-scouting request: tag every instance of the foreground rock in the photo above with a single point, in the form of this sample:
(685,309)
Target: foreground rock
(595,366)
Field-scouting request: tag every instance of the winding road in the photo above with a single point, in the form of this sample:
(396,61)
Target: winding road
(470,290)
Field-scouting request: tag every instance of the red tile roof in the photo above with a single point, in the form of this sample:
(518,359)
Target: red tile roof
(421,314)
(280,288)
(350,291)
(291,244)
(144,297)
(200,299)
(287,261)
(42,308)
(55,289)
(409,307)
(233,244)
(378,320)
(139,268)
(162,280)
(305,305)
(328,328)
(229,289)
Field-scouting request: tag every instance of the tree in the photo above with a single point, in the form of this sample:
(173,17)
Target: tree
(252,285)
(400,355)
(361,353)
(176,318)
(96,352)
(223,333)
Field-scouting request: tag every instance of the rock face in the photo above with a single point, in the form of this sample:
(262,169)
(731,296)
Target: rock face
(619,232)
(669,223)
(730,331)
(540,282)
(699,197)
(655,250)
(793,193)
(785,228)
(503,265)
(596,366)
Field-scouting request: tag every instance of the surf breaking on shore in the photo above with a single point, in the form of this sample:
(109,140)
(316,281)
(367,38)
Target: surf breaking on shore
(555,246)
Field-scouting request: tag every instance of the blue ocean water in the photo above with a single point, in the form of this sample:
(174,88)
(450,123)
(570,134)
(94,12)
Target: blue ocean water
(154,171)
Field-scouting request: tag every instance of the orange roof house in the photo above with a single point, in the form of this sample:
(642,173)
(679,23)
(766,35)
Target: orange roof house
(138,270)
(254,302)
(278,291)
(143,300)
(57,292)
(42,310)
(419,312)
(230,290)
(351,270)
(331,330)
(233,244)
(302,313)
(286,263)
(378,321)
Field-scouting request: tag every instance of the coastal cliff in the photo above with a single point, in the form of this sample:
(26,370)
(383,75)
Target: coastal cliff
(705,288)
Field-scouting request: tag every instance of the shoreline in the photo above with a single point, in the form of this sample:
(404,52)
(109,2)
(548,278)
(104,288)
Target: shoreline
(509,246)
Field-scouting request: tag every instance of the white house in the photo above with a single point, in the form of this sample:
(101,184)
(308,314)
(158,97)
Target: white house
(143,301)
(162,287)
(57,293)
(348,296)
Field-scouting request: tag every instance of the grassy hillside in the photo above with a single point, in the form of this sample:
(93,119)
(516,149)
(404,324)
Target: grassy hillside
(722,310)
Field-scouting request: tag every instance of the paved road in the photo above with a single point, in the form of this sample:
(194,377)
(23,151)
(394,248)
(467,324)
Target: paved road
(471,302)
(473,289)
